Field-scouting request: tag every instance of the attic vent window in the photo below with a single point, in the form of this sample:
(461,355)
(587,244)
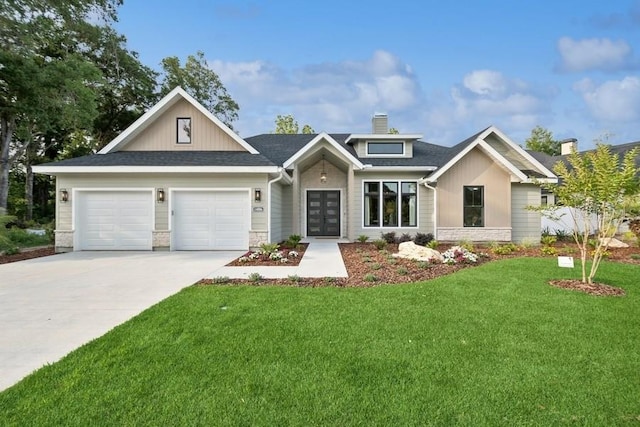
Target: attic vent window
(183,130)
(385,148)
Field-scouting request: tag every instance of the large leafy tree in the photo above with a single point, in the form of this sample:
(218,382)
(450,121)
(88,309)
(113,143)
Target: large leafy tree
(595,183)
(288,124)
(541,140)
(201,82)
(44,82)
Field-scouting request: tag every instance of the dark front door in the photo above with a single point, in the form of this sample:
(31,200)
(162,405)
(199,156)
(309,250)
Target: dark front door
(323,213)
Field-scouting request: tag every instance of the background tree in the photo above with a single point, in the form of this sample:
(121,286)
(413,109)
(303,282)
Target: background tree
(201,82)
(541,140)
(43,82)
(393,131)
(289,125)
(595,183)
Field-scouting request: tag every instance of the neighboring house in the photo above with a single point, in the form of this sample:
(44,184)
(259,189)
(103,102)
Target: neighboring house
(564,222)
(179,179)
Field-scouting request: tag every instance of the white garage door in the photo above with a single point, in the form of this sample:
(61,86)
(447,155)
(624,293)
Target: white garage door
(115,220)
(210,220)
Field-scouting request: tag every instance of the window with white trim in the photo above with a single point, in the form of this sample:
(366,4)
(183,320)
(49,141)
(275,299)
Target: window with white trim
(390,204)
(385,148)
(473,206)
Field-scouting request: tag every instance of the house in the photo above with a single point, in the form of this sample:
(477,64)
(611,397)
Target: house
(179,179)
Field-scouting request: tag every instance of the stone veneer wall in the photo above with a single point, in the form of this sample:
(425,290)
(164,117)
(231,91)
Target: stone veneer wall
(63,241)
(256,238)
(474,234)
(161,240)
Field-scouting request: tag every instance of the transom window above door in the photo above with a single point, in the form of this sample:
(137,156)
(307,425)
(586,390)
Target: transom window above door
(390,204)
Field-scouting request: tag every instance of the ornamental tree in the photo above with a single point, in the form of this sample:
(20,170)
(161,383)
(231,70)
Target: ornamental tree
(597,183)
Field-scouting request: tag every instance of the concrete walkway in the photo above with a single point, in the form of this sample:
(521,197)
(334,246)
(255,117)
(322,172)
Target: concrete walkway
(321,259)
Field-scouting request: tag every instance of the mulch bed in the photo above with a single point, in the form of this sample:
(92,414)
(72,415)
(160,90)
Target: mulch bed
(598,289)
(27,254)
(264,261)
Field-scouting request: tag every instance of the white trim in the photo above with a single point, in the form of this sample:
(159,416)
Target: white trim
(499,158)
(75,206)
(153,169)
(435,206)
(332,142)
(154,112)
(388,227)
(170,206)
(370,168)
(386,141)
(523,153)
(342,207)
(389,136)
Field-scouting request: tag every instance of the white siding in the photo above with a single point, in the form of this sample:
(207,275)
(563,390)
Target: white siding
(275,211)
(525,223)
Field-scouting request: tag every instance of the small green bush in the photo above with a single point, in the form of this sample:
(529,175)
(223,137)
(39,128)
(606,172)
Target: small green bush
(635,256)
(220,279)
(423,239)
(549,250)
(423,264)
(255,277)
(294,240)
(402,271)
(362,238)
(405,237)
(548,240)
(389,237)
(12,250)
(269,248)
(376,266)
(562,235)
(467,244)
(370,278)
(380,244)
(433,244)
(294,278)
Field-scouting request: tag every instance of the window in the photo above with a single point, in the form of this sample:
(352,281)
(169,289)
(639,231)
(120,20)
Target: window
(473,206)
(183,130)
(385,148)
(390,203)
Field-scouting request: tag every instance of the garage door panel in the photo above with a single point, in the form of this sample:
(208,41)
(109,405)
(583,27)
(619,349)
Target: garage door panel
(211,220)
(115,220)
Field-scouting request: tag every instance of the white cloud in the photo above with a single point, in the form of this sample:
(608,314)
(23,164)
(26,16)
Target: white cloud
(612,101)
(329,96)
(485,82)
(594,54)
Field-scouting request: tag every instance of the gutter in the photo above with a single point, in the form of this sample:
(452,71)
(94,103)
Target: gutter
(424,182)
(283,176)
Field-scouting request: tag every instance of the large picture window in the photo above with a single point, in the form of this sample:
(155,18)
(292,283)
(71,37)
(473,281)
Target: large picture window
(473,206)
(390,204)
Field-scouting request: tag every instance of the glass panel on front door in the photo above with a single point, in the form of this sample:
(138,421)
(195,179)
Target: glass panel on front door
(323,213)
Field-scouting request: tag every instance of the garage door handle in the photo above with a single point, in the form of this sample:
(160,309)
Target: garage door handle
(171,213)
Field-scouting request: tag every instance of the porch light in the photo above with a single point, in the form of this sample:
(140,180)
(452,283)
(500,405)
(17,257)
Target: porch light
(323,174)
(257,195)
(64,195)
(160,195)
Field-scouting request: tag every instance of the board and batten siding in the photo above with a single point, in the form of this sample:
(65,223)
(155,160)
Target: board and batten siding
(476,168)
(425,206)
(526,224)
(167,182)
(161,134)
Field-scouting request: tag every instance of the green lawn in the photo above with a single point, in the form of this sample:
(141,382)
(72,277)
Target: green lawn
(493,345)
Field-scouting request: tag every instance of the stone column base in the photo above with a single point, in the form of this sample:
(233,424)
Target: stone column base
(63,241)
(161,240)
(474,234)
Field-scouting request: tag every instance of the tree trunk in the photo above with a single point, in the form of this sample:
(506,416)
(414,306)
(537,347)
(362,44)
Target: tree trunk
(7,125)
(28,189)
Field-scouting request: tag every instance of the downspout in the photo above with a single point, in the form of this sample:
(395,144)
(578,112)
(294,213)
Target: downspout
(424,181)
(276,179)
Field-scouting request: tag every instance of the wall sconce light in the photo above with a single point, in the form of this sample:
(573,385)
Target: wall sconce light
(64,195)
(323,174)
(257,195)
(160,195)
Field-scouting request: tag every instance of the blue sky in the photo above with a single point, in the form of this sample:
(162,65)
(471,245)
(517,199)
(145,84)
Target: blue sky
(442,69)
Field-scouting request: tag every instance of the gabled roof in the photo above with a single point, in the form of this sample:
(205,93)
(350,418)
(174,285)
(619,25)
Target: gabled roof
(156,111)
(382,136)
(460,150)
(620,150)
(317,140)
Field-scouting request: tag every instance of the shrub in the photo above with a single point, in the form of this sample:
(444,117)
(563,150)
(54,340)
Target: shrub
(546,232)
(294,278)
(467,244)
(459,255)
(405,237)
(433,244)
(562,235)
(389,237)
(269,248)
(423,239)
(504,249)
(363,238)
(423,264)
(526,243)
(402,271)
(294,240)
(329,279)
(255,277)
(549,250)
(380,244)
(548,240)
(635,256)
(12,250)
(376,266)
(220,279)
(370,278)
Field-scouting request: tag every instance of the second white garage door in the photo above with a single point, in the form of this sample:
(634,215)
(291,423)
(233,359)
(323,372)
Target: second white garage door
(210,220)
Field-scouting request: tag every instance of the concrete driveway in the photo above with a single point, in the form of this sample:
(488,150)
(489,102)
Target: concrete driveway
(51,306)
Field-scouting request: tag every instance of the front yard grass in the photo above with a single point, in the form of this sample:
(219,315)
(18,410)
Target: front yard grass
(492,345)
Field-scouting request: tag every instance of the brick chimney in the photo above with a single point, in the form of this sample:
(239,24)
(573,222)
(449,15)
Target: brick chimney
(567,146)
(380,123)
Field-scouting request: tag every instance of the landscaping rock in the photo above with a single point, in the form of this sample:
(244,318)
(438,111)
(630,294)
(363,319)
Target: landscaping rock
(615,243)
(410,250)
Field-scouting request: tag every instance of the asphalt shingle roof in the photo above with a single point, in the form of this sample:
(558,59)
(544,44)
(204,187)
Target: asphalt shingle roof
(169,158)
